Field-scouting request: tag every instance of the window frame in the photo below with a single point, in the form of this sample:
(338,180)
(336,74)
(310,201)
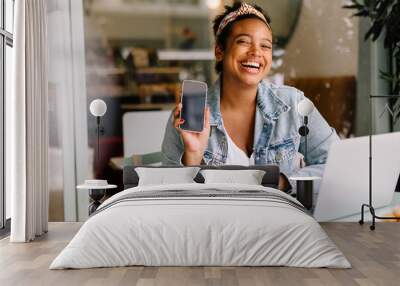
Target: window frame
(6,39)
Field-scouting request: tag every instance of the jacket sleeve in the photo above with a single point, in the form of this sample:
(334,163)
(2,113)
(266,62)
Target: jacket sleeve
(172,145)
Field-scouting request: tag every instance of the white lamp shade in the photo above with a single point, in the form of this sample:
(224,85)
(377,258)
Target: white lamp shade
(98,107)
(305,107)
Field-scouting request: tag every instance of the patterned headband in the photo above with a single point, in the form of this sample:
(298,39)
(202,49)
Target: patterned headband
(245,9)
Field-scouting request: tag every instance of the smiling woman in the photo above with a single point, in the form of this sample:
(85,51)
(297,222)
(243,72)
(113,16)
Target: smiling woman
(248,120)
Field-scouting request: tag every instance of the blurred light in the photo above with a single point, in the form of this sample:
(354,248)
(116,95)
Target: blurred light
(277,52)
(213,4)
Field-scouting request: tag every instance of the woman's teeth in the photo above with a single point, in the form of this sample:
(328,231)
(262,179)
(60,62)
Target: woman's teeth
(251,65)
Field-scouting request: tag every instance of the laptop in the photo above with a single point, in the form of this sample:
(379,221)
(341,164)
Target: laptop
(345,183)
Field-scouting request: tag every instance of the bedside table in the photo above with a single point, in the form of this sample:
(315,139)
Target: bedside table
(96,193)
(305,189)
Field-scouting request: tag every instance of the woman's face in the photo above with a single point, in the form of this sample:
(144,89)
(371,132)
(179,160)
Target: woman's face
(248,53)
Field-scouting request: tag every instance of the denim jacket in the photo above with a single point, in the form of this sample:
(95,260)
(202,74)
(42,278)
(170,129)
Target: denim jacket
(276,137)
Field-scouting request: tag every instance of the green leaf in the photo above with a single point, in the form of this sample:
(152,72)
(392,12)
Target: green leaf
(385,18)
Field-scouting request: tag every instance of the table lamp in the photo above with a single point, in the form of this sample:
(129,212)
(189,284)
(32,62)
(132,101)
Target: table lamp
(97,188)
(304,108)
(98,108)
(305,185)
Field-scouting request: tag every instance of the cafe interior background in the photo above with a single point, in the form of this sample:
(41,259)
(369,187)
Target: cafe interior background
(134,54)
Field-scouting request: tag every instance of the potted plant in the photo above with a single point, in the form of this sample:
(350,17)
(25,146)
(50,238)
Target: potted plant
(385,18)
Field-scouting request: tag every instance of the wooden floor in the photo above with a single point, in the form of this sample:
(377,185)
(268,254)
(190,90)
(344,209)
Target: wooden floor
(375,257)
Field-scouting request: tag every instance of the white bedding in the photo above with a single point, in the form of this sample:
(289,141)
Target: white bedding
(182,231)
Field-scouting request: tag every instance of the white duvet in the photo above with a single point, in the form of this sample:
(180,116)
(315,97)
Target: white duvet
(200,231)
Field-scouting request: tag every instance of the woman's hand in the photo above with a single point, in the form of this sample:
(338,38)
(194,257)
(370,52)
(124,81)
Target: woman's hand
(194,143)
(284,184)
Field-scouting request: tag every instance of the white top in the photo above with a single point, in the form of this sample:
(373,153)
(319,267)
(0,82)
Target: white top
(237,156)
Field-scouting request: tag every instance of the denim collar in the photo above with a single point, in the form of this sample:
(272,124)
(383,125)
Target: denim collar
(269,104)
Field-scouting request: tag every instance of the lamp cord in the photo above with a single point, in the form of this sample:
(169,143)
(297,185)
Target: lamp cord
(305,123)
(98,141)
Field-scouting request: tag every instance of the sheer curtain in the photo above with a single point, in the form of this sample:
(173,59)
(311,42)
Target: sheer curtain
(27,124)
(68,152)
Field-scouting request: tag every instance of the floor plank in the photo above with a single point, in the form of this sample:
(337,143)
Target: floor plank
(375,257)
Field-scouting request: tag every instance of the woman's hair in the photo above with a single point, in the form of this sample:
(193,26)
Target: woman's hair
(222,36)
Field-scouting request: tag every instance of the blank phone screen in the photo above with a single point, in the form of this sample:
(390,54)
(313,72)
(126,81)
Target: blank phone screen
(194,95)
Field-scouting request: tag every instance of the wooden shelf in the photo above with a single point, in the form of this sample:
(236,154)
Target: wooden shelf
(148,106)
(159,70)
(157,9)
(180,55)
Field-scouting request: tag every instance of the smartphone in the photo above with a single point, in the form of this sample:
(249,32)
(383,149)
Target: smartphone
(193,100)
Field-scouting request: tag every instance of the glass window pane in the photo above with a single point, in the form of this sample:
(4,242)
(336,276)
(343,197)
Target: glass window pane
(9,15)
(8,69)
(1,15)
(2,204)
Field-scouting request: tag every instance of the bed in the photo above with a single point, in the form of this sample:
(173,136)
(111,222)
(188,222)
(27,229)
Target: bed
(201,224)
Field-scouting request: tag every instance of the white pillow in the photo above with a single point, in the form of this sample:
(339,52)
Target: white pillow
(163,176)
(248,177)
